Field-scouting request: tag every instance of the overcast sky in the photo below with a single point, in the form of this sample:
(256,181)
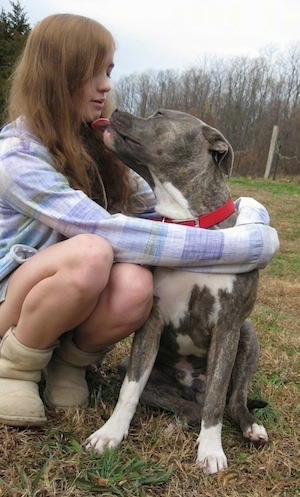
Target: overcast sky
(175,34)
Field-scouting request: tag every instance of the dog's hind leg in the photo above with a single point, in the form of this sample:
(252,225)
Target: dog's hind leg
(244,367)
(143,354)
(168,397)
(162,391)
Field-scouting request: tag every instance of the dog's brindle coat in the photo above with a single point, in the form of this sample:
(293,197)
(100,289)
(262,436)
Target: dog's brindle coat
(198,320)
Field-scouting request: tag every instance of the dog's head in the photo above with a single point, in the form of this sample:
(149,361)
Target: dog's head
(167,140)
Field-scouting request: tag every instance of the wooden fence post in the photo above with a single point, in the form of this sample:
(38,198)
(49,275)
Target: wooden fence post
(271,151)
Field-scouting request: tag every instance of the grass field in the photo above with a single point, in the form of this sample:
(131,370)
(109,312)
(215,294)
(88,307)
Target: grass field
(158,458)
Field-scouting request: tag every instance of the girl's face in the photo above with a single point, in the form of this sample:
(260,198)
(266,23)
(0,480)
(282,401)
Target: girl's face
(95,92)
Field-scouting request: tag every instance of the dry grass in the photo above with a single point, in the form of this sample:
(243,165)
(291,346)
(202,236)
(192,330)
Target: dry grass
(158,458)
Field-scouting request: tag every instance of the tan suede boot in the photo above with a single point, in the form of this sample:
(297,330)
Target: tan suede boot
(66,385)
(20,372)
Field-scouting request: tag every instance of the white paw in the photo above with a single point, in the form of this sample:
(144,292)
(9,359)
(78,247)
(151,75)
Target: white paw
(256,433)
(211,457)
(116,428)
(211,462)
(107,437)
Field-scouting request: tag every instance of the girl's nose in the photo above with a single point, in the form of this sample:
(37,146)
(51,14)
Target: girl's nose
(103,84)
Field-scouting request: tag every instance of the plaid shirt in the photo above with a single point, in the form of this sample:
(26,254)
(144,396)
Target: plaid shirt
(39,208)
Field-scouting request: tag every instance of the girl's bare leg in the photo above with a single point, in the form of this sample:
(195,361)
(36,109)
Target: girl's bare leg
(123,307)
(56,290)
(72,285)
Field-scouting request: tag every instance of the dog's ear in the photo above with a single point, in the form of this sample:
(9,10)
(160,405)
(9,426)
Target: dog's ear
(221,149)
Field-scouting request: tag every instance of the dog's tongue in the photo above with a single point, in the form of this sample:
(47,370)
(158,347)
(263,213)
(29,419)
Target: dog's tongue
(101,124)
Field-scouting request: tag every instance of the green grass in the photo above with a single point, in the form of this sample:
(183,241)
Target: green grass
(276,188)
(62,458)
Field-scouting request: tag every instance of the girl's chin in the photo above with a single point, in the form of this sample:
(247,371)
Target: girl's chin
(92,116)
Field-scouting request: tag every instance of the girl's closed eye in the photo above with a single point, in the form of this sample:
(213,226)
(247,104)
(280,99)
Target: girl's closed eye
(109,71)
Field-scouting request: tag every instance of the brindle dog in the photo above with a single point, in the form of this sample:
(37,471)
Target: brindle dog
(197,334)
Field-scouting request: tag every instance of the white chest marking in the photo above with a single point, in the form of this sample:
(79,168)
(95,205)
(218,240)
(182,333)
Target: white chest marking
(170,201)
(174,287)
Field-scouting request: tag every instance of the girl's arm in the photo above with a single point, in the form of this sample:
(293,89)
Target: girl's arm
(36,190)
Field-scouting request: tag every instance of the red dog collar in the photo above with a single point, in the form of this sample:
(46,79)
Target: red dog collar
(207,220)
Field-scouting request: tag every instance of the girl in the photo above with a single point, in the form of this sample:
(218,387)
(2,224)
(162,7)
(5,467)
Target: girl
(72,278)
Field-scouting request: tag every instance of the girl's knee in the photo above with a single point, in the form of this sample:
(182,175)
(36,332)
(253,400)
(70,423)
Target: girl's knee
(135,291)
(93,247)
(135,280)
(143,285)
(91,259)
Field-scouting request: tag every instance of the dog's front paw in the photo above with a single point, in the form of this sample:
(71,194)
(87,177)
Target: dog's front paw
(107,437)
(211,457)
(211,462)
(256,433)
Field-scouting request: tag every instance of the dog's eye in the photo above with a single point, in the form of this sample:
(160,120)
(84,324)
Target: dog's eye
(158,114)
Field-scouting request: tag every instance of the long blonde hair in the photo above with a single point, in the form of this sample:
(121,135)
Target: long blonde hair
(62,54)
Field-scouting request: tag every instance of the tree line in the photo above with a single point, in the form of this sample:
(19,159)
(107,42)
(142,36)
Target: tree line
(241,96)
